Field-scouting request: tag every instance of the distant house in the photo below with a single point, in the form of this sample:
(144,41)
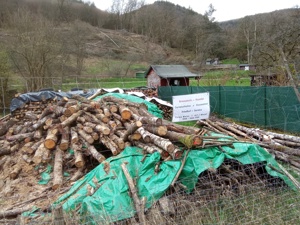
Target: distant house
(214,61)
(247,67)
(168,75)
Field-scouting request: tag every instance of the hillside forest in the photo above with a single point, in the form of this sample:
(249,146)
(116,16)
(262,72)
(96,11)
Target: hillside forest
(51,38)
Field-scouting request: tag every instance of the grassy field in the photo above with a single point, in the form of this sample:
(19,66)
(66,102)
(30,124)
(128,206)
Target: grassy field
(227,78)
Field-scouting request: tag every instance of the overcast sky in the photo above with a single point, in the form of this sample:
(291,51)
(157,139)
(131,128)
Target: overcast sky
(225,10)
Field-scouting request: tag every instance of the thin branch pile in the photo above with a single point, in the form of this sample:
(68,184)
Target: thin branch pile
(285,147)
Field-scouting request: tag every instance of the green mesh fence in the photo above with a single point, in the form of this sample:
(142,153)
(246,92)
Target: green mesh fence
(269,107)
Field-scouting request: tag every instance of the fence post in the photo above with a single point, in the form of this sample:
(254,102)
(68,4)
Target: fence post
(265,105)
(3,97)
(58,216)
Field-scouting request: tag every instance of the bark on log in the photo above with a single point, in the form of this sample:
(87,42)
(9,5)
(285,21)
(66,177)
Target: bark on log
(102,129)
(39,153)
(57,169)
(87,137)
(157,130)
(102,117)
(65,138)
(137,202)
(159,141)
(146,118)
(74,135)
(19,137)
(31,116)
(38,134)
(41,122)
(5,151)
(46,112)
(77,175)
(71,119)
(151,148)
(145,134)
(180,128)
(188,140)
(106,111)
(284,136)
(4,126)
(15,172)
(93,151)
(71,110)
(110,145)
(130,129)
(118,141)
(79,160)
(26,148)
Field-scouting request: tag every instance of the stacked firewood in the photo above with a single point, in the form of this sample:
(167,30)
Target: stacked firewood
(90,129)
(148,92)
(32,108)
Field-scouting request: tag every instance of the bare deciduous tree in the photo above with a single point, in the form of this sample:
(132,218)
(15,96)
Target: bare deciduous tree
(279,44)
(34,48)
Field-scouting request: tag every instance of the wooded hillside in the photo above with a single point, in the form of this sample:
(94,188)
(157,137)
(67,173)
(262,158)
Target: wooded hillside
(56,38)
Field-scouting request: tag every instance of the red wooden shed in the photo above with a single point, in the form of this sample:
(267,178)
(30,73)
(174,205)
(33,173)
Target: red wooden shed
(168,75)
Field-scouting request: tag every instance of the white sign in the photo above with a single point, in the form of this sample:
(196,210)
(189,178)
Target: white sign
(191,107)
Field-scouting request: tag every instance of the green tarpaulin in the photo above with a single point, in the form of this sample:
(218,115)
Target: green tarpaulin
(102,196)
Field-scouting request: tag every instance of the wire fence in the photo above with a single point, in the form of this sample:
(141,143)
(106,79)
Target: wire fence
(247,195)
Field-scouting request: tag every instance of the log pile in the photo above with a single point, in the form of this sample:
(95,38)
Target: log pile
(148,92)
(91,130)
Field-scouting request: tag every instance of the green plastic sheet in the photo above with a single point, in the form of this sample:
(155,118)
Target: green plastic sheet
(103,196)
(152,108)
(110,200)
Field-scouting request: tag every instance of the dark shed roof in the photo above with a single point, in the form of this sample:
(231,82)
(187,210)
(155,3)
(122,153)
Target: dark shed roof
(171,71)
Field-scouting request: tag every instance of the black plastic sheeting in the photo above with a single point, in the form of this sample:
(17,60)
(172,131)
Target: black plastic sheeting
(45,95)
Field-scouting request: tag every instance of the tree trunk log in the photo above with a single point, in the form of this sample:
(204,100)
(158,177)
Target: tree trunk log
(145,134)
(38,134)
(19,137)
(71,119)
(57,169)
(180,128)
(79,160)
(15,172)
(71,110)
(125,112)
(51,138)
(130,129)
(110,145)
(65,138)
(93,151)
(157,130)
(87,137)
(74,135)
(137,202)
(188,140)
(6,125)
(39,153)
(118,141)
